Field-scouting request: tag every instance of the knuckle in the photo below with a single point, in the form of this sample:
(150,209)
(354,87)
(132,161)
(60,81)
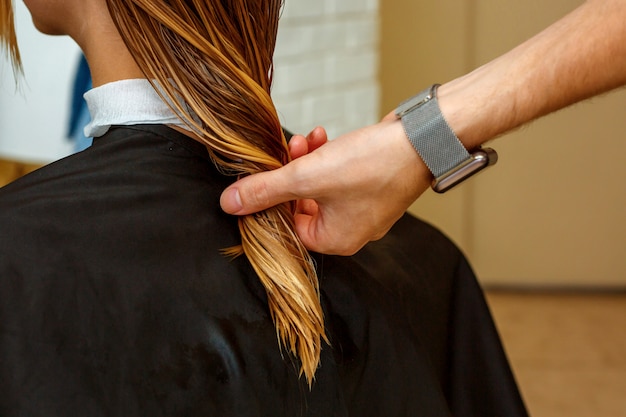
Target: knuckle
(256,195)
(347,247)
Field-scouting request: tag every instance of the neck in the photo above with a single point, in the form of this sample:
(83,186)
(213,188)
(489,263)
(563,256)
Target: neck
(108,57)
(109,67)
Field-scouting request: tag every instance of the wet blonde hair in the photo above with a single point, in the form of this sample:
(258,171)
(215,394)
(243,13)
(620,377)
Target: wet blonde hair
(8,40)
(217,56)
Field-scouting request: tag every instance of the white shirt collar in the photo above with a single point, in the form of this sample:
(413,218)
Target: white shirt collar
(126,102)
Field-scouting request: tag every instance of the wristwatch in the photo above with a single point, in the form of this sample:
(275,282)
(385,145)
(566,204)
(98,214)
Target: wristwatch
(437,145)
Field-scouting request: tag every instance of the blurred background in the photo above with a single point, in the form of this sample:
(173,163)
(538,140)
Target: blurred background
(545,229)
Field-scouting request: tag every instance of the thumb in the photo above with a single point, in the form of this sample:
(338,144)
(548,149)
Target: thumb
(256,192)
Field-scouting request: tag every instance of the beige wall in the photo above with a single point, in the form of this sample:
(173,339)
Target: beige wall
(551,212)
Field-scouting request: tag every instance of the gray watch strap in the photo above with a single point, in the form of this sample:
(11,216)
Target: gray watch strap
(430,134)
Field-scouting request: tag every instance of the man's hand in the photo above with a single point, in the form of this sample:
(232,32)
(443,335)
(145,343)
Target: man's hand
(300,145)
(350,190)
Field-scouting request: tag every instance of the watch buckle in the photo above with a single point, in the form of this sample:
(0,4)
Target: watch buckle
(479,159)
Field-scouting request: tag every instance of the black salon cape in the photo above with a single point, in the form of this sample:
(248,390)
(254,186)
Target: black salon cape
(116,301)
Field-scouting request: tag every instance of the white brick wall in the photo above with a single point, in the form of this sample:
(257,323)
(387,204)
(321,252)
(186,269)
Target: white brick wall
(326,65)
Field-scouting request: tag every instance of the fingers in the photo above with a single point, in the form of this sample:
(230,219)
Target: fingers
(230,201)
(267,189)
(317,237)
(257,192)
(298,146)
(349,193)
(305,229)
(316,138)
(307,206)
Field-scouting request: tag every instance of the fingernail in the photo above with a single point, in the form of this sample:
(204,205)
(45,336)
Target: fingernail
(234,198)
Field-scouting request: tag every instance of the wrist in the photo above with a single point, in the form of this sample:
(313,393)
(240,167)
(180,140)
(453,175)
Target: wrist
(410,167)
(453,98)
(491,100)
(437,144)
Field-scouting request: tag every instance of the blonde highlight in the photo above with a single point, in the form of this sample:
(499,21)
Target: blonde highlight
(8,38)
(218,57)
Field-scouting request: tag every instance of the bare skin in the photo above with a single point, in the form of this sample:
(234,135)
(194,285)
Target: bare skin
(356,186)
(89,23)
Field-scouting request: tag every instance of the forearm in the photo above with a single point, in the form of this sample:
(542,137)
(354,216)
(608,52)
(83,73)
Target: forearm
(363,181)
(582,55)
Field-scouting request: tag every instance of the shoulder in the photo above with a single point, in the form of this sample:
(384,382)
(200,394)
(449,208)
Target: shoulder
(134,184)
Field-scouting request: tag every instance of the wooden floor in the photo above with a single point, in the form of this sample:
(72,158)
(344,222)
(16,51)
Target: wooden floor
(12,170)
(568,350)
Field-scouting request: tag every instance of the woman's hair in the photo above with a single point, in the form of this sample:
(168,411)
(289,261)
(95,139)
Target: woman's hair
(8,41)
(216,55)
